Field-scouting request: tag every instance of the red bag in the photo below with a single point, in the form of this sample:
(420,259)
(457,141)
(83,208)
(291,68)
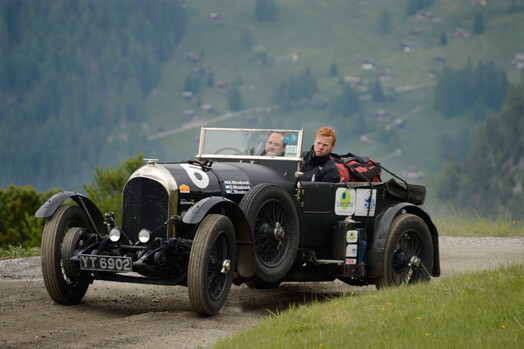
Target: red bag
(354,168)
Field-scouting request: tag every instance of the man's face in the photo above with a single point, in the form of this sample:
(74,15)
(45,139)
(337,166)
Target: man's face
(275,144)
(323,145)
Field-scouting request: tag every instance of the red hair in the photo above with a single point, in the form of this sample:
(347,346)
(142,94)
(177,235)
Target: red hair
(327,131)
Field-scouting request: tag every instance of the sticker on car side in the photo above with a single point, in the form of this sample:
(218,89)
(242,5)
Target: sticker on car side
(366,201)
(345,201)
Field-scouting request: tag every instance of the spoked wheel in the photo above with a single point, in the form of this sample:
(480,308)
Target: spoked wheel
(63,233)
(272,217)
(211,264)
(408,257)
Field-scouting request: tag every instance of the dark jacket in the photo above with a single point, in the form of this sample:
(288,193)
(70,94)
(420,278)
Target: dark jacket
(319,168)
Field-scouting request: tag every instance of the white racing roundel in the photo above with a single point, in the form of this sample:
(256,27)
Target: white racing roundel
(197,176)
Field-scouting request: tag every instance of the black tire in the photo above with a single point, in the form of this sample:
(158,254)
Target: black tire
(409,238)
(60,287)
(273,220)
(258,284)
(208,284)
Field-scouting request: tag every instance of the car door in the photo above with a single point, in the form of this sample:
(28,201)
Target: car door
(317,214)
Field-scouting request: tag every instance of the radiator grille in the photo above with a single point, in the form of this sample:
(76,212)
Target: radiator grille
(145,205)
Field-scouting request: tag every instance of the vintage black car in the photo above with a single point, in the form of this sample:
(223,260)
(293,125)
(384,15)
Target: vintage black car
(232,215)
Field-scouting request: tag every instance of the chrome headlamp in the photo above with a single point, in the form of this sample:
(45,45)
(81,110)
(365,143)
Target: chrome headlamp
(144,235)
(115,234)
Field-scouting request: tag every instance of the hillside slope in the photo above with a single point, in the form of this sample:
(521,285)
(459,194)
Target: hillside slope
(109,105)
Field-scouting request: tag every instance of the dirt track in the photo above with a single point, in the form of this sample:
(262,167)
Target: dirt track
(115,315)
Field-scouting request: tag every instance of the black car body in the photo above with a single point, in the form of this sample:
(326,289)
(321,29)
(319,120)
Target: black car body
(232,216)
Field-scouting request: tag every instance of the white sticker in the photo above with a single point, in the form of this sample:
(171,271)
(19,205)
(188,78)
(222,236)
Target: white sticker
(199,177)
(352,236)
(291,150)
(366,202)
(351,250)
(351,261)
(345,201)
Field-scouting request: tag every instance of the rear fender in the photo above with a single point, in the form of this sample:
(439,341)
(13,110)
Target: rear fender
(88,206)
(383,221)
(245,245)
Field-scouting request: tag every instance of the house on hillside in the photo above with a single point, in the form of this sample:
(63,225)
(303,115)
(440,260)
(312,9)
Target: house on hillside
(440,59)
(194,57)
(221,85)
(518,61)
(189,113)
(427,16)
(385,75)
(215,16)
(354,81)
(368,64)
(406,47)
(382,115)
(207,108)
(188,95)
(459,33)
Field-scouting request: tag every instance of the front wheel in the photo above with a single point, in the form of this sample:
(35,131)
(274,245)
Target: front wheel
(63,232)
(408,257)
(211,264)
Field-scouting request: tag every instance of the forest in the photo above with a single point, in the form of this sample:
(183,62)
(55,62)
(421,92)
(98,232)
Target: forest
(74,74)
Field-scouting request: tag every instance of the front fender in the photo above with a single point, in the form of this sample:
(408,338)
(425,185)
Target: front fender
(93,213)
(383,221)
(245,245)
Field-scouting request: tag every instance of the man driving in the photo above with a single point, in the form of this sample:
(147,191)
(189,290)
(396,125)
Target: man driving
(275,145)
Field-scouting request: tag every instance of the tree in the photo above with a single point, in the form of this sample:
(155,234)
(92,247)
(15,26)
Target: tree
(266,11)
(377,93)
(333,70)
(18,225)
(490,177)
(247,38)
(478,24)
(192,83)
(235,101)
(282,98)
(443,39)
(307,84)
(384,22)
(347,103)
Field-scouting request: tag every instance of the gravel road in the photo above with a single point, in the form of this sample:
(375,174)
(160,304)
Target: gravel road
(116,315)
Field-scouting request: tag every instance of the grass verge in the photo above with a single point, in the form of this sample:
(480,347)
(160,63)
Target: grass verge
(480,310)
(18,252)
(462,224)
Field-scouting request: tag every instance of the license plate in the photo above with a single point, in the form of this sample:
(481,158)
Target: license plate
(106,263)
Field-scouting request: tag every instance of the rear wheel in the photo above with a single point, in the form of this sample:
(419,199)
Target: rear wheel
(408,257)
(211,264)
(273,220)
(61,236)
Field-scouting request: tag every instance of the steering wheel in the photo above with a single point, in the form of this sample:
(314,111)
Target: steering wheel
(238,152)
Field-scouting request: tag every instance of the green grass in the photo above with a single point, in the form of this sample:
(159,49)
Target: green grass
(457,222)
(478,226)
(481,310)
(18,252)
